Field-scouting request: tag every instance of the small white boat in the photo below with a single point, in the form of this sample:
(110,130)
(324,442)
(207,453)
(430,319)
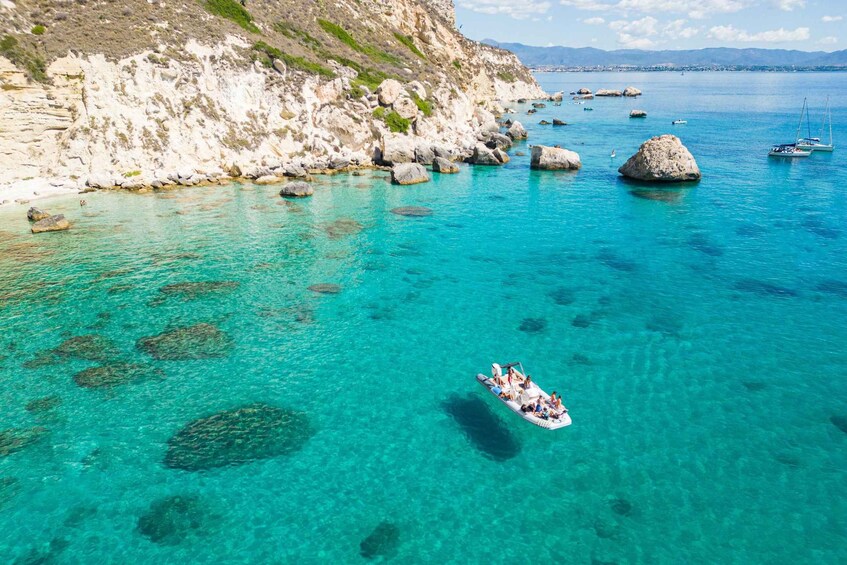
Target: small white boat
(679,122)
(788,151)
(614,154)
(516,395)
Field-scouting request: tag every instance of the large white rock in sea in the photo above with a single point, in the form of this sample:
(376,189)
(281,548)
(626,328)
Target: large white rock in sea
(662,159)
(554,159)
(408,173)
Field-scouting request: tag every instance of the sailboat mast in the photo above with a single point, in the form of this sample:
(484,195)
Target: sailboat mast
(800,123)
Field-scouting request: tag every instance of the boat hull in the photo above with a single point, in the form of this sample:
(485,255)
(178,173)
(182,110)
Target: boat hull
(550,424)
(816,148)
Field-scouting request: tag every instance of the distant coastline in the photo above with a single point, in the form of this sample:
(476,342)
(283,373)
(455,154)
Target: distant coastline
(692,69)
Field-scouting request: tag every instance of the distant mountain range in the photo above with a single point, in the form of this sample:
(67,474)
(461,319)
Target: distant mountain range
(580,57)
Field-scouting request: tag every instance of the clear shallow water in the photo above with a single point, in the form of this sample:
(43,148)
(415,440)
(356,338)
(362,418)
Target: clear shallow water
(699,343)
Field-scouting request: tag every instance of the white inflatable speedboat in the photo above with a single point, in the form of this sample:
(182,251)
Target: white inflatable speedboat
(516,395)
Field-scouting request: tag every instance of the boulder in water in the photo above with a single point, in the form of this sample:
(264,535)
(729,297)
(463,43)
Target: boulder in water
(234,437)
(662,159)
(517,131)
(631,91)
(296,189)
(607,92)
(558,122)
(638,114)
(482,155)
(36,214)
(51,223)
(200,341)
(554,159)
(44,404)
(409,173)
(444,166)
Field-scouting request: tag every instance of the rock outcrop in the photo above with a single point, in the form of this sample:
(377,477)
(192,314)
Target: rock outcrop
(554,159)
(36,214)
(517,131)
(409,173)
(631,91)
(51,223)
(296,189)
(444,166)
(607,92)
(662,159)
(483,155)
(638,114)
(166,95)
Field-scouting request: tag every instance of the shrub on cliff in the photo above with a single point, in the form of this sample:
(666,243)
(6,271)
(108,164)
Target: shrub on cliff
(232,10)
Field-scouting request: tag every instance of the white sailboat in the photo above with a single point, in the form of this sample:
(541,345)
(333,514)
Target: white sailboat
(791,150)
(814,143)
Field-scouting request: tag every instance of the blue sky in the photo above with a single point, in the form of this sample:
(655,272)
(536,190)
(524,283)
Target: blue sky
(808,25)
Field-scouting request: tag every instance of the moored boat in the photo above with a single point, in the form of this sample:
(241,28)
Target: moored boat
(679,122)
(788,151)
(814,143)
(518,392)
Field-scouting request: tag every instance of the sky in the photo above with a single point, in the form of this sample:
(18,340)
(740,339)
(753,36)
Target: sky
(807,25)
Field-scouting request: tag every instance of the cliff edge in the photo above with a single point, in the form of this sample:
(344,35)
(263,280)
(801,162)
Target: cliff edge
(143,89)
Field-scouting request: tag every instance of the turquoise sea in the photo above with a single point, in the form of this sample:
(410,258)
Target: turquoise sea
(698,337)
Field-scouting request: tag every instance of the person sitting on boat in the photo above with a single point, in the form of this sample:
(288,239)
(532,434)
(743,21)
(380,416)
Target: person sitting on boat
(559,407)
(539,409)
(527,383)
(497,374)
(552,400)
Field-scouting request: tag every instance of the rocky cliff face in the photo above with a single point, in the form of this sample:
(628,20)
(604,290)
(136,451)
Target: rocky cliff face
(183,89)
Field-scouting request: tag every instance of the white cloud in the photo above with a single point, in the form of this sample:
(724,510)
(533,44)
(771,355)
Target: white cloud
(829,19)
(677,30)
(523,11)
(731,34)
(789,5)
(695,9)
(829,40)
(644,27)
(594,21)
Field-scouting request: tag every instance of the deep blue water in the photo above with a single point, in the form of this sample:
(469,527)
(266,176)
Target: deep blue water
(698,340)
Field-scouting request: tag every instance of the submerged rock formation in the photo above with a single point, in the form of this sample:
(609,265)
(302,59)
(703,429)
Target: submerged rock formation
(114,374)
(51,223)
(200,341)
(554,159)
(662,159)
(237,436)
(296,189)
(382,541)
(173,519)
(36,214)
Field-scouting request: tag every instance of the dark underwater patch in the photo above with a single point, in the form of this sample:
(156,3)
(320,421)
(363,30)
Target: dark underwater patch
(700,242)
(484,429)
(621,506)
(563,296)
(839,422)
(581,321)
(44,404)
(343,227)
(838,288)
(754,386)
(13,440)
(238,436)
(89,347)
(114,374)
(615,261)
(533,325)
(200,289)
(412,211)
(765,288)
(173,519)
(200,341)
(383,541)
(325,288)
